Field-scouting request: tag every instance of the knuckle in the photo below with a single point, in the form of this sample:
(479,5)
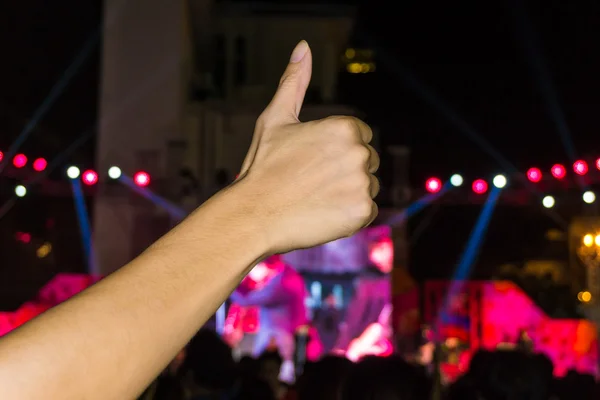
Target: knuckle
(364,182)
(344,126)
(364,209)
(361,154)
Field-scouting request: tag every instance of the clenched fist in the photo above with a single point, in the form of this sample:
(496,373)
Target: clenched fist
(313,181)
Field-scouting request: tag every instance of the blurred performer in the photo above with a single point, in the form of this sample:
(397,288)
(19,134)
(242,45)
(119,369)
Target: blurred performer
(371,302)
(282,310)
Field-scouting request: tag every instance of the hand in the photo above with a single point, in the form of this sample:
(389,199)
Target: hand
(312,182)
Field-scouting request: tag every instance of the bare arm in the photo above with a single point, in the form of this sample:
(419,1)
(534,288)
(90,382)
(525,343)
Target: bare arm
(114,338)
(111,340)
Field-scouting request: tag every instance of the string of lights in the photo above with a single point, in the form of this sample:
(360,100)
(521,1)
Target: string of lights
(88,177)
(557,172)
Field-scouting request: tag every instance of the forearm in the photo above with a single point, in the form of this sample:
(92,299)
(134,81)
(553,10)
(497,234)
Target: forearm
(110,341)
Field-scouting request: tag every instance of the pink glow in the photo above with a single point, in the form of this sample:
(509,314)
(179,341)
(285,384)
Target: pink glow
(580,167)
(141,179)
(382,254)
(40,164)
(20,160)
(89,177)
(506,312)
(480,186)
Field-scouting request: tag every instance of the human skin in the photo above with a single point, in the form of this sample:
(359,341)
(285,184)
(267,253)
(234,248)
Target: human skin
(301,185)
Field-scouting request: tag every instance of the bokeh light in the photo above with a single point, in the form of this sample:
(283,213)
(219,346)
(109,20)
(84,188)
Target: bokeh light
(433,185)
(558,171)
(73,172)
(89,177)
(141,179)
(20,160)
(580,167)
(548,201)
(456,180)
(480,186)
(534,175)
(40,164)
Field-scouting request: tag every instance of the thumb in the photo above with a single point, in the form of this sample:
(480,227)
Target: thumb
(287,102)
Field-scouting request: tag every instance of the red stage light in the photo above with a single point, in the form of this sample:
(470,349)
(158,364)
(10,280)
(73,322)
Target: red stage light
(40,164)
(23,237)
(89,177)
(2,156)
(480,186)
(433,185)
(141,179)
(558,171)
(534,174)
(580,167)
(597,163)
(20,160)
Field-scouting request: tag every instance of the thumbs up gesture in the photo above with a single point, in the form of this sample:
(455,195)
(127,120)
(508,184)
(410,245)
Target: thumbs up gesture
(312,182)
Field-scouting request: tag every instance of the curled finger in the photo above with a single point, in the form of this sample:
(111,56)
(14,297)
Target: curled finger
(374,187)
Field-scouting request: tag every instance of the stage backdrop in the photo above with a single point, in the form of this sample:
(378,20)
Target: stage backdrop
(349,255)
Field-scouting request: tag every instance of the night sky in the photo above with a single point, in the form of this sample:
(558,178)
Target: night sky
(474,57)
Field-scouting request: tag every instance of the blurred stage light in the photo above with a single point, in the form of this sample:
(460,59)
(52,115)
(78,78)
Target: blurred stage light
(499,181)
(20,190)
(456,180)
(20,160)
(580,167)
(480,186)
(597,163)
(141,179)
(534,175)
(2,157)
(589,197)
(588,240)
(558,171)
(548,201)
(89,177)
(114,172)
(433,185)
(73,172)
(40,164)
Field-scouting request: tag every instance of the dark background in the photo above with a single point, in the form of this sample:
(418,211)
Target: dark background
(472,55)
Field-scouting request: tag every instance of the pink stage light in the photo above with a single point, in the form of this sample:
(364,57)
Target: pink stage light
(558,171)
(20,160)
(480,186)
(433,185)
(580,167)
(40,164)
(534,174)
(382,255)
(141,179)
(2,156)
(89,177)
(597,163)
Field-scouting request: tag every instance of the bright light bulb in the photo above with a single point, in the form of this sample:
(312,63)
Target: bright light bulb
(114,172)
(73,172)
(589,197)
(20,190)
(588,240)
(456,180)
(499,181)
(597,240)
(548,202)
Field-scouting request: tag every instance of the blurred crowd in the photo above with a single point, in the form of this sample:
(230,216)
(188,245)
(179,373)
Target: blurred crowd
(206,370)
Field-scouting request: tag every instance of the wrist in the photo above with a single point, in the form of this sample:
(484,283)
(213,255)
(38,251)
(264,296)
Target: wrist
(252,212)
(237,211)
